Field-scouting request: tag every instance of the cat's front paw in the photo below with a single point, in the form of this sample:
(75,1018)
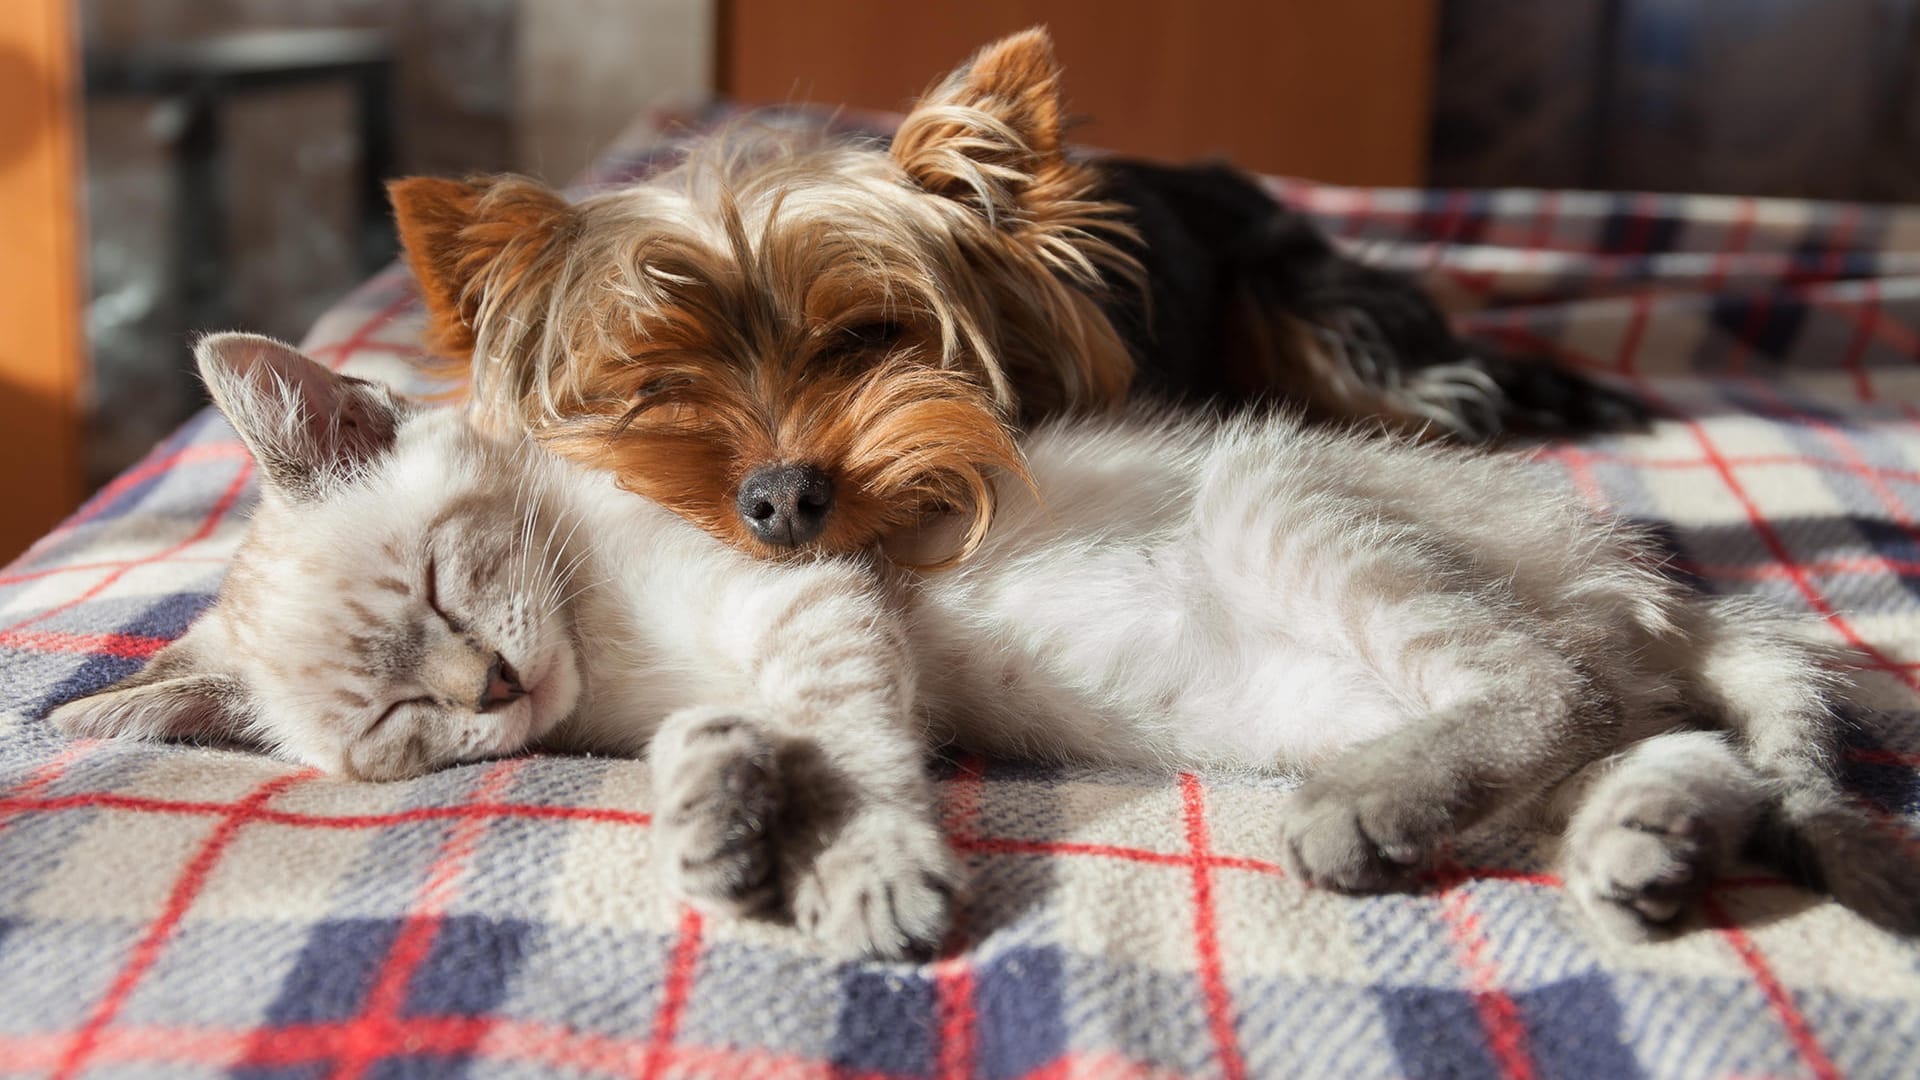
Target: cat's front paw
(718,802)
(883,888)
(1359,838)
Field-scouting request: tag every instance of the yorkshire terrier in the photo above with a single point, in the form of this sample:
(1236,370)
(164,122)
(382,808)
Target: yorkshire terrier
(808,342)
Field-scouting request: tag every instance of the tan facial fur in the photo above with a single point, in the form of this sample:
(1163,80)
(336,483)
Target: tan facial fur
(885,316)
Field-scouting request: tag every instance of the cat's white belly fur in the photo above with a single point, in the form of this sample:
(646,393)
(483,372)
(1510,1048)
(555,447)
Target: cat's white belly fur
(1171,675)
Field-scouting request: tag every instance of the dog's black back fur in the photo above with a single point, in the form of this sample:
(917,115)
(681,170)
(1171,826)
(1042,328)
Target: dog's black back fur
(1218,250)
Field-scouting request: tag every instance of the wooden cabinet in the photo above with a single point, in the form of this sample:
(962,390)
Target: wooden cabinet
(40,279)
(1332,91)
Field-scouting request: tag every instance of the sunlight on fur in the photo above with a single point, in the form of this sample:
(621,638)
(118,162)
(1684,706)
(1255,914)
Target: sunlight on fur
(882,315)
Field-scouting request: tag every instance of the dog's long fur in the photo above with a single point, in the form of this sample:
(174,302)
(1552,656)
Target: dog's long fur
(892,315)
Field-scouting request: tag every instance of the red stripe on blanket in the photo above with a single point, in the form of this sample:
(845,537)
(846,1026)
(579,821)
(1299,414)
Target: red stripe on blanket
(337,354)
(1206,934)
(207,525)
(1871,565)
(110,564)
(1579,465)
(1789,1014)
(53,768)
(529,1042)
(953,985)
(185,889)
(1780,407)
(1499,1015)
(378,1032)
(1763,529)
(1863,332)
(1751,461)
(1735,245)
(125,646)
(1839,239)
(146,470)
(105,800)
(48,772)
(673,996)
(1636,329)
(1778,549)
(992,845)
(1007,845)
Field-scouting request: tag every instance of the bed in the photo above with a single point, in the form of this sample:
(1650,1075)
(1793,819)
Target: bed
(183,911)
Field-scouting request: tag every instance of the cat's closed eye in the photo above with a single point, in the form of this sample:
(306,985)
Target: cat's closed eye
(432,591)
(391,711)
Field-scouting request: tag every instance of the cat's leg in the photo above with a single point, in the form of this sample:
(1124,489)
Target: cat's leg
(1498,714)
(1754,671)
(1651,827)
(809,783)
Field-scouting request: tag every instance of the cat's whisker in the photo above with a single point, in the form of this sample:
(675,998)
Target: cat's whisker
(586,588)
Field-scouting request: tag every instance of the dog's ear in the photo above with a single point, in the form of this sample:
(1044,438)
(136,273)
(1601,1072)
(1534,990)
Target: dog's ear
(467,239)
(990,133)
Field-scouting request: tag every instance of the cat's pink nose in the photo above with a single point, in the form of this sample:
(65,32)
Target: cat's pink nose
(503,685)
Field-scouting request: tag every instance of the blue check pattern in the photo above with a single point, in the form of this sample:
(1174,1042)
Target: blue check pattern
(178,911)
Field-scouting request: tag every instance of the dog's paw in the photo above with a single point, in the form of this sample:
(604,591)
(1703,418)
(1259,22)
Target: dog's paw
(884,888)
(717,805)
(1636,864)
(1360,838)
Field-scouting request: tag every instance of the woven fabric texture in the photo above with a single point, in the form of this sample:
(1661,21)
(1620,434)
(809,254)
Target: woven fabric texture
(174,911)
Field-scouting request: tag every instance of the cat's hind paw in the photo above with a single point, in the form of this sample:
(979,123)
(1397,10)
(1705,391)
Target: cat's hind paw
(1640,861)
(1369,839)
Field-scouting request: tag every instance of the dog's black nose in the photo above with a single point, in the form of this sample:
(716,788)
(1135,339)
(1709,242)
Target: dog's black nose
(786,505)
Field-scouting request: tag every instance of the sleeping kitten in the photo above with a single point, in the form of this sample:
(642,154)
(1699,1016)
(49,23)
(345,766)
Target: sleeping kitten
(1430,637)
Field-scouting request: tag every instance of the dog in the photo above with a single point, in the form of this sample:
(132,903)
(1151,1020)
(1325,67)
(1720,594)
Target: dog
(809,343)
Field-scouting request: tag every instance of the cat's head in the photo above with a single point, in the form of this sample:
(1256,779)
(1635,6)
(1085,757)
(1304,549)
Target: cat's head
(400,600)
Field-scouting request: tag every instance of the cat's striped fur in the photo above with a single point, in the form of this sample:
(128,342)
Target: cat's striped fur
(1428,636)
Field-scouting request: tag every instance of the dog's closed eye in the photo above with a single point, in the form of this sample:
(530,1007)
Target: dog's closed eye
(654,388)
(874,337)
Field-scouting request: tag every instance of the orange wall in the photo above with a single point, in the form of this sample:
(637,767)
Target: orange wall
(1333,91)
(40,344)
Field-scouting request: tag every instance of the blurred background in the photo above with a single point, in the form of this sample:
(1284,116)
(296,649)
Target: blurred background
(169,166)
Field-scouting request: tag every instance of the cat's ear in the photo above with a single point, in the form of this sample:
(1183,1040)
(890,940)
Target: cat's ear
(174,697)
(307,426)
(465,239)
(990,133)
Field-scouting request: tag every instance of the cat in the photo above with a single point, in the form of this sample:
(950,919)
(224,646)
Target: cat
(1426,635)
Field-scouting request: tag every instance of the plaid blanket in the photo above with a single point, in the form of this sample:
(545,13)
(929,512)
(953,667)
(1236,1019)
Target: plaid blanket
(181,911)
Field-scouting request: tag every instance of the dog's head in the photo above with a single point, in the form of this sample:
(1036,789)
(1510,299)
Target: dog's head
(795,341)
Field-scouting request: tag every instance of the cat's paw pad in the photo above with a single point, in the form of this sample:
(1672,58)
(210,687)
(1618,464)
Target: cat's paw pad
(1358,841)
(885,888)
(716,815)
(1642,863)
